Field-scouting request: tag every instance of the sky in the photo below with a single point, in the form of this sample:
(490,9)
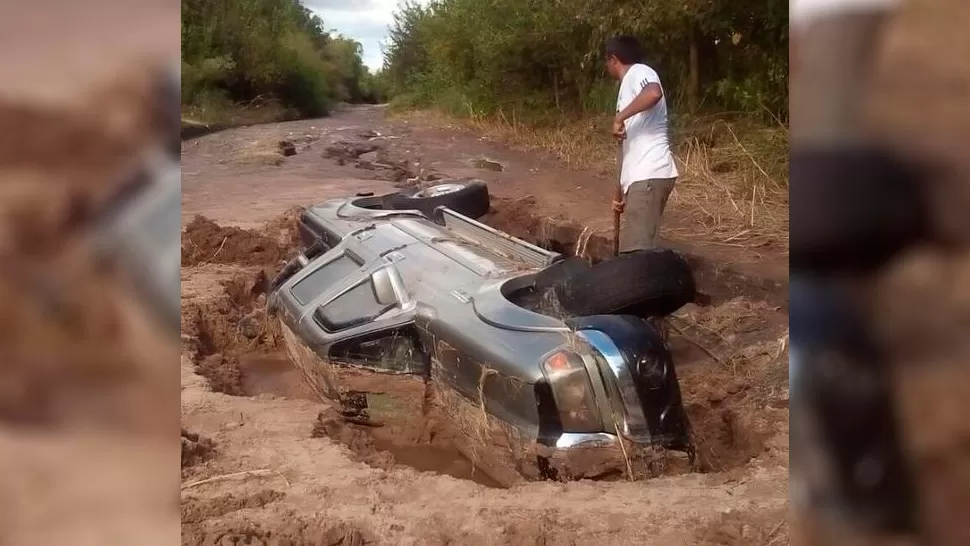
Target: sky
(363,20)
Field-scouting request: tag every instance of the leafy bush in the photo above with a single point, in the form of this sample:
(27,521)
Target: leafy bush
(245,51)
(478,57)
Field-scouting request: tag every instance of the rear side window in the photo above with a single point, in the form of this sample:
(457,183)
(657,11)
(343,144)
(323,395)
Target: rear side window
(357,306)
(398,350)
(323,278)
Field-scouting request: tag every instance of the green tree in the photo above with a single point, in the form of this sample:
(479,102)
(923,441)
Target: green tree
(547,55)
(243,50)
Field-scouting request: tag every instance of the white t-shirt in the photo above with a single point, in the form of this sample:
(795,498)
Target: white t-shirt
(646,149)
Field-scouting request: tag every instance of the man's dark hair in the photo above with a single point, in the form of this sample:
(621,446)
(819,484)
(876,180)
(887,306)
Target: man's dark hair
(625,48)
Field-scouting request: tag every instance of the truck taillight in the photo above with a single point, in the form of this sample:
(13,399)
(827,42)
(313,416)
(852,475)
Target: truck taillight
(572,391)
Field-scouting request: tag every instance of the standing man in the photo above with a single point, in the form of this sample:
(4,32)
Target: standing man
(648,172)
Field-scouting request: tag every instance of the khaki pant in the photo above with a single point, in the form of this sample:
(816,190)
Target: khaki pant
(645,203)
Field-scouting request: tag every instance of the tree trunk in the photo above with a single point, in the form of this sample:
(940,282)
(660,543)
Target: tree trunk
(555,87)
(694,73)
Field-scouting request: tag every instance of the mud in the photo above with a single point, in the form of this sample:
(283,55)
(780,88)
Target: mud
(226,333)
(195,449)
(346,150)
(402,444)
(271,373)
(197,510)
(378,163)
(285,531)
(204,241)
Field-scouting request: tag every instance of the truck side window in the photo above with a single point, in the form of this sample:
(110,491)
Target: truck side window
(357,306)
(320,281)
(398,350)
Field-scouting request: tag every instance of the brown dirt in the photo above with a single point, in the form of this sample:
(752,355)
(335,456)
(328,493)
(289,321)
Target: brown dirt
(284,531)
(195,449)
(204,241)
(197,510)
(232,331)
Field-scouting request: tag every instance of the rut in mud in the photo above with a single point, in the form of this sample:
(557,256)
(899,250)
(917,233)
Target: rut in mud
(238,347)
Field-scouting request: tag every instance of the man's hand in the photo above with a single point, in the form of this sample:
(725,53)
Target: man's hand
(619,128)
(618,206)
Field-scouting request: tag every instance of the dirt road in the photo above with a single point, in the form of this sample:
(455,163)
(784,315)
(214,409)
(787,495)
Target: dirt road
(280,471)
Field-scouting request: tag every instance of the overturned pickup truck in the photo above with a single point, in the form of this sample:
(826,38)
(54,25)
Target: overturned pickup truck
(543,366)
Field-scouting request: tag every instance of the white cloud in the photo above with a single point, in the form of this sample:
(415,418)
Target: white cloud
(363,20)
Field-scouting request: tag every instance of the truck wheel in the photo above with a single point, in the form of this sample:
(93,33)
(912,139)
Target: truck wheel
(647,283)
(559,272)
(467,197)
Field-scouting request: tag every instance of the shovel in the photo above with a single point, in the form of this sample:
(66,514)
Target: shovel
(619,193)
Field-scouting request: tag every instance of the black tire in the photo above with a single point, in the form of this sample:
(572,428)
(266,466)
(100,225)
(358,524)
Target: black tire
(648,283)
(466,197)
(557,273)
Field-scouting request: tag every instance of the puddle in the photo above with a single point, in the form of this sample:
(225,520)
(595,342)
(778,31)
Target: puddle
(272,374)
(440,459)
(487,164)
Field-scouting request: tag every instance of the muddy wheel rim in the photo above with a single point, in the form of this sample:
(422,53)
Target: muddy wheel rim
(440,189)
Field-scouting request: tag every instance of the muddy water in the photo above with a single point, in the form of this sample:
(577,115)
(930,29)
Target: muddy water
(275,374)
(440,459)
